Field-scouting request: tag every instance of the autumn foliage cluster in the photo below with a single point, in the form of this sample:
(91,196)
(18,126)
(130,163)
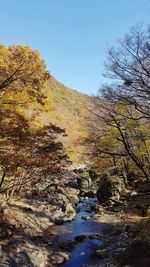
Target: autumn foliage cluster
(28,154)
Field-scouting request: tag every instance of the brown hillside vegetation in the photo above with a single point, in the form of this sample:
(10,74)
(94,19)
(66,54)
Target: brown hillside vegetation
(68,109)
(60,106)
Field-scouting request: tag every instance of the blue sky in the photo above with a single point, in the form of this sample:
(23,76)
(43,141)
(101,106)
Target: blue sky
(71,35)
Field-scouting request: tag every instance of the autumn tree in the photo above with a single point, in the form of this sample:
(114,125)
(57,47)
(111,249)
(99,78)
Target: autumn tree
(128,66)
(28,153)
(122,112)
(28,156)
(21,69)
(121,137)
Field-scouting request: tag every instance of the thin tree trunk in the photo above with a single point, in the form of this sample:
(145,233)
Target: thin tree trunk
(2,179)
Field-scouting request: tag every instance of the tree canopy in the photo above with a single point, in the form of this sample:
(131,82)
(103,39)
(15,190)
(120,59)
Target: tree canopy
(22,69)
(123,105)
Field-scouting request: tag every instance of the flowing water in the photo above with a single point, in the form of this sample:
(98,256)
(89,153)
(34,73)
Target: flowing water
(83,253)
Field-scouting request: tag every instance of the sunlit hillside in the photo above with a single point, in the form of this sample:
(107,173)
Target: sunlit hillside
(68,109)
(61,106)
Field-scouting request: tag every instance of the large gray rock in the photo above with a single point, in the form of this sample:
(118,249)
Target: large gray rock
(23,253)
(110,187)
(59,257)
(55,195)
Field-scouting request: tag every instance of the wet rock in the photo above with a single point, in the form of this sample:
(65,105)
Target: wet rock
(87,193)
(70,213)
(93,207)
(95,236)
(91,194)
(85,217)
(87,210)
(59,257)
(67,245)
(80,238)
(104,190)
(82,253)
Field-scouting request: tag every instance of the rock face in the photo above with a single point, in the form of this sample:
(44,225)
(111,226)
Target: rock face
(84,182)
(110,188)
(64,199)
(61,196)
(83,179)
(22,253)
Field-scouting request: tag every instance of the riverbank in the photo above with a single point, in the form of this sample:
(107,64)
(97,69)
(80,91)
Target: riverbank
(65,226)
(128,244)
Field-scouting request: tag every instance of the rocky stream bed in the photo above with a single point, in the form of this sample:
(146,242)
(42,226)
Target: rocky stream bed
(67,226)
(82,237)
(97,239)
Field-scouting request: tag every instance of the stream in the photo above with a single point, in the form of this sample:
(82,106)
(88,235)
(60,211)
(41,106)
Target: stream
(82,253)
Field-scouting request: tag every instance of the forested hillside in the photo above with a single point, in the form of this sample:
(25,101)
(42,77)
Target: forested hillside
(63,107)
(69,110)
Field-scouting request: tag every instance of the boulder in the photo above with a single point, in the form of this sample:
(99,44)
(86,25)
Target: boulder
(59,257)
(85,217)
(67,245)
(56,195)
(80,238)
(70,213)
(23,253)
(96,236)
(72,194)
(110,188)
